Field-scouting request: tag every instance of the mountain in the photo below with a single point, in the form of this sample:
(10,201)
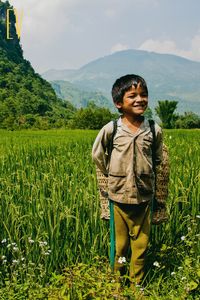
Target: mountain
(78,97)
(168,76)
(26,99)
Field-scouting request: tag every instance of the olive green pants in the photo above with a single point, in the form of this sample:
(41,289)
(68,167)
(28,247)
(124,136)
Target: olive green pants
(132,228)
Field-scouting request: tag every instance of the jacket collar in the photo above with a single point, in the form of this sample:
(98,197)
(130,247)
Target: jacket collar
(143,127)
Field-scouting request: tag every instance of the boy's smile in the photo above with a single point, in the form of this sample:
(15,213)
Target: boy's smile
(135,101)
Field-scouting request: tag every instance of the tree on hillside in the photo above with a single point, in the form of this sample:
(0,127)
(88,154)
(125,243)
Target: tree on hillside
(165,110)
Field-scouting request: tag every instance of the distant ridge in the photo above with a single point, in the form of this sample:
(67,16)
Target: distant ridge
(168,76)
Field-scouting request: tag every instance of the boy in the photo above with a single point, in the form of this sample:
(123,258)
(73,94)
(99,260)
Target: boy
(130,171)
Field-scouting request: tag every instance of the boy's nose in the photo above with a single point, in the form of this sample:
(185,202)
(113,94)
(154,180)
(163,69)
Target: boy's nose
(138,98)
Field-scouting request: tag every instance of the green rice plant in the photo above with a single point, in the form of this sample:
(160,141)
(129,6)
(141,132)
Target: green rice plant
(49,216)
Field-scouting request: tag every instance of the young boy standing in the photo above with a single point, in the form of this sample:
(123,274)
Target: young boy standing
(130,171)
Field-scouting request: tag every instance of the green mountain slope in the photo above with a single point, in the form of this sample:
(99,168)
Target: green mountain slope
(168,76)
(79,98)
(25,97)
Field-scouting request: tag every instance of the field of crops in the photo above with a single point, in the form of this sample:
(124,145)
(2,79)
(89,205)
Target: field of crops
(49,215)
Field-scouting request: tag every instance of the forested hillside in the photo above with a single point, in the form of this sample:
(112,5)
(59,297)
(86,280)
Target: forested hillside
(26,99)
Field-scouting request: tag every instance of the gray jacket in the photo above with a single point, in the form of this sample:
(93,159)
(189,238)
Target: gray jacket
(129,169)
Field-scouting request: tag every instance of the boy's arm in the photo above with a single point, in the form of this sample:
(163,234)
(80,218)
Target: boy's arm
(159,144)
(99,155)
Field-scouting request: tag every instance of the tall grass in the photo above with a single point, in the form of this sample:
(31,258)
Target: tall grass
(49,215)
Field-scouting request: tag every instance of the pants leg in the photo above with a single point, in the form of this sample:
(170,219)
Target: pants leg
(132,226)
(121,238)
(139,239)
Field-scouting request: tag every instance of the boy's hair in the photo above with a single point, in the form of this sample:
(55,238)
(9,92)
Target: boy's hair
(124,83)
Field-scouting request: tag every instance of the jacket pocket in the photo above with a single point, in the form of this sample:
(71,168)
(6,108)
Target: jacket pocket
(116,183)
(145,183)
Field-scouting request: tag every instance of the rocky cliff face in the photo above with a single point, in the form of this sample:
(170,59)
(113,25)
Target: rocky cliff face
(24,95)
(10,47)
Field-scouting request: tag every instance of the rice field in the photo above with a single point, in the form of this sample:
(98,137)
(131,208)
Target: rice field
(49,215)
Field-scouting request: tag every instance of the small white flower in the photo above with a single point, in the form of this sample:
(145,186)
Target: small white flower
(3,257)
(13,244)
(198,216)
(15,261)
(9,245)
(180,268)
(156,264)
(4,261)
(189,228)
(46,253)
(173,273)
(41,244)
(121,260)
(183,238)
(3,241)
(22,259)
(15,249)
(183,278)
(30,240)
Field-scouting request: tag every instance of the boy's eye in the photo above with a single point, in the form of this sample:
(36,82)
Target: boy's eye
(132,96)
(144,95)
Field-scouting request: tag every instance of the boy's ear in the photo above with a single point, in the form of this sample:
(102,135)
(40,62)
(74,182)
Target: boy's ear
(118,104)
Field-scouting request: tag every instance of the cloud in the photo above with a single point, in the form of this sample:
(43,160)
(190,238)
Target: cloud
(170,47)
(119,47)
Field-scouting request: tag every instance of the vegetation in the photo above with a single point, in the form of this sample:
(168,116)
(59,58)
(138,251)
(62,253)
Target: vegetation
(165,111)
(79,97)
(188,120)
(26,100)
(53,243)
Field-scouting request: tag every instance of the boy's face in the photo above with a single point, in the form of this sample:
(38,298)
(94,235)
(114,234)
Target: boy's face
(135,101)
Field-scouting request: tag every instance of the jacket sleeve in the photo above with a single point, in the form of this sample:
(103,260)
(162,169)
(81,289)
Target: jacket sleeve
(99,153)
(159,144)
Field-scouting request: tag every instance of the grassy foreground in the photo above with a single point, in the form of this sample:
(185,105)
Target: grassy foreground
(53,244)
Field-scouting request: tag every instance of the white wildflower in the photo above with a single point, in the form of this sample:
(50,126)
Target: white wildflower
(156,264)
(183,238)
(183,278)
(198,216)
(4,261)
(180,268)
(41,244)
(122,260)
(30,240)
(173,273)
(3,241)
(3,257)
(15,249)
(189,228)
(13,244)
(15,261)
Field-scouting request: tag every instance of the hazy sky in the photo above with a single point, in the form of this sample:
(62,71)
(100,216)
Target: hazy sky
(63,34)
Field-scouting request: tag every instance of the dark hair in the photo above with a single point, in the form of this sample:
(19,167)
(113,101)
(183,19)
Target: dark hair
(124,83)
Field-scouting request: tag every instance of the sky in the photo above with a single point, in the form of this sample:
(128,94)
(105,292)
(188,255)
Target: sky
(66,34)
